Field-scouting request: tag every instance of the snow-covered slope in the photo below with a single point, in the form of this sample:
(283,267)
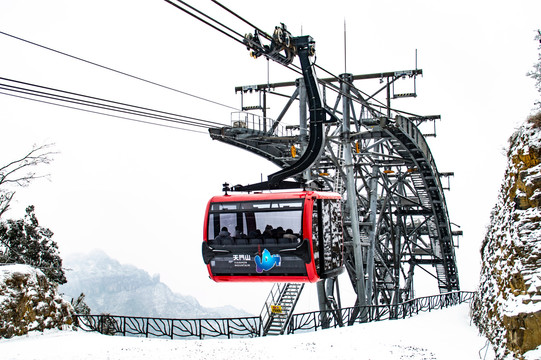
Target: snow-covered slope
(119,289)
(443,335)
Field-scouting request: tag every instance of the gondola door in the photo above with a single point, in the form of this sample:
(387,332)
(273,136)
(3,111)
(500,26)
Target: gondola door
(327,237)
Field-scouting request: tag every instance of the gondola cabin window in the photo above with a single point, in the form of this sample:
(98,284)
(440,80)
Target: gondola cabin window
(266,220)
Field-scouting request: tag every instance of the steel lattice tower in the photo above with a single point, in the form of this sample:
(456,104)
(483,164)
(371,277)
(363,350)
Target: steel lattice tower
(394,209)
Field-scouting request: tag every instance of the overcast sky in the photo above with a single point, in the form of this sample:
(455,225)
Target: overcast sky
(139,191)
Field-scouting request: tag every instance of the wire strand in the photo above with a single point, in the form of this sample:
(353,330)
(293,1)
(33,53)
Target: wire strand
(98,106)
(204,21)
(211,18)
(100,113)
(116,71)
(107,104)
(292,67)
(244,20)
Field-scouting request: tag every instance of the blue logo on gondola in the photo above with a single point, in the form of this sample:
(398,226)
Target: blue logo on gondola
(266,261)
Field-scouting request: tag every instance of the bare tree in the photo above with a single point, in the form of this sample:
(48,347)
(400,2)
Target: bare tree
(21,172)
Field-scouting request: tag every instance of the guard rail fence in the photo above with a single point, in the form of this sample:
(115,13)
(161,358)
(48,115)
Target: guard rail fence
(252,326)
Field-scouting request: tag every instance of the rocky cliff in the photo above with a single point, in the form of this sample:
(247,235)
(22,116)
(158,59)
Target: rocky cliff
(28,301)
(507,308)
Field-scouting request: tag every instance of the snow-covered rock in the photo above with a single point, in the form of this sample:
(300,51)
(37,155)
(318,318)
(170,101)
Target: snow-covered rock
(28,301)
(508,305)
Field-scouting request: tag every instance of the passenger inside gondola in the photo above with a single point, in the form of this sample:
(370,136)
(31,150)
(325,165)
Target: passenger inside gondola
(267,234)
(224,237)
(290,236)
(270,236)
(279,233)
(238,233)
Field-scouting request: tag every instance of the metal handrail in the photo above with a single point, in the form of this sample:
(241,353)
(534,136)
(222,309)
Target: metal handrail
(273,297)
(312,321)
(169,327)
(252,326)
(257,123)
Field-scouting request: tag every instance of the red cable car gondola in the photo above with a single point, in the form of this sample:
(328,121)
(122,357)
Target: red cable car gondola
(277,237)
(282,236)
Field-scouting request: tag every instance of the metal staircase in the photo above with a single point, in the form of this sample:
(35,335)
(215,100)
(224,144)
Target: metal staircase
(279,306)
(410,142)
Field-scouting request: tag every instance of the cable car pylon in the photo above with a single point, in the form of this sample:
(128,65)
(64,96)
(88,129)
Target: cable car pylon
(372,157)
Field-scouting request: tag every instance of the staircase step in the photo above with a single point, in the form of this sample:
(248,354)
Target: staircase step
(287,297)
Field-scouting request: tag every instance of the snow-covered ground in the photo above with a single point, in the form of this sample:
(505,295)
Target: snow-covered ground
(441,334)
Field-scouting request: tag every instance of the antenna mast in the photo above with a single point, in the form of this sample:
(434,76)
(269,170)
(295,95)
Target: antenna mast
(345,48)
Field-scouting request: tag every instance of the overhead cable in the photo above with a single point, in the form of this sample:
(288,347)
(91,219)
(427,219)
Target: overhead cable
(103,103)
(101,113)
(205,21)
(224,29)
(243,19)
(76,99)
(117,71)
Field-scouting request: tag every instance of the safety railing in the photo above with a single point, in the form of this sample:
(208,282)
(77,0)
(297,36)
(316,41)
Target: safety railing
(252,326)
(171,328)
(316,320)
(272,298)
(249,122)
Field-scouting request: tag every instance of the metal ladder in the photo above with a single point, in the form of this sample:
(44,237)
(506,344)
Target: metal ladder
(338,179)
(279,306)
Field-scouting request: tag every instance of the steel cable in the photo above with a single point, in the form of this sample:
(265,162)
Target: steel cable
(116,71)
(104,104)
(101,113)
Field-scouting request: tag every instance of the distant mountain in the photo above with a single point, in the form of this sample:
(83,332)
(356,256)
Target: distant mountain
(119,289)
